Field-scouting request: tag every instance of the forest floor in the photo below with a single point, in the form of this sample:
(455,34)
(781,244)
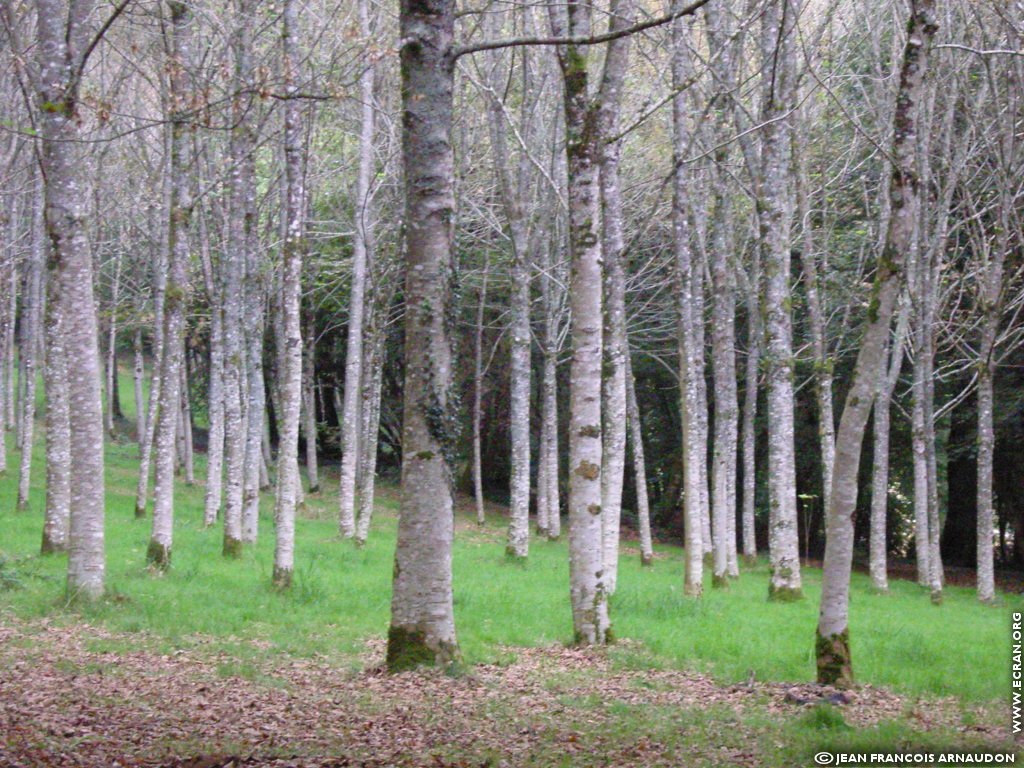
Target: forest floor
(208,666)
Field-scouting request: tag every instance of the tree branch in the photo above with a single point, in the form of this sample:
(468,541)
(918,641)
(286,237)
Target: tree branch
(607,37)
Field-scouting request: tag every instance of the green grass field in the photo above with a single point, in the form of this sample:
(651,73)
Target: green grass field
(225,611)
(341,597)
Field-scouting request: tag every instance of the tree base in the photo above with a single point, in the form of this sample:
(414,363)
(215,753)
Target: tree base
(835,665)
(880,590)
(750,560)
(936,597)
(513,556)
(553,537)
(22,505)
(719,582)
(232,547)
(646,561)
(158,556)
(542,533)
(313,489)
(282,578)
(140,511)
(51,547)
(409,649)
(784,594)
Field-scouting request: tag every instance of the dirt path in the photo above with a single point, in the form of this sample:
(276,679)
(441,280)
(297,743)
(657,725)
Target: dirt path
(64,701)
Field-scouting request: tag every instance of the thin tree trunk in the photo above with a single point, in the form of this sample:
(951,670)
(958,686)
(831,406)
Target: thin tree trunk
(478,392)
(549,403)
(309,429)
(362,254)
(159,265)
(373,364)
(723,333)
(422,619)
(28,351)
(832,646)
(176,292)
(138,373)
(58,425)
(636,437)
(613,407)
(694,453)
(241,223)
(290,389)
(113,407)
(185,423)
(888,376)
(779,97)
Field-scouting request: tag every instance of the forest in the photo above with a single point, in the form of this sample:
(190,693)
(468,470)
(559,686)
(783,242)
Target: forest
(511,382)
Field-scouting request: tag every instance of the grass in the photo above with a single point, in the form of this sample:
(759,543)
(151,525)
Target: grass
(341,596)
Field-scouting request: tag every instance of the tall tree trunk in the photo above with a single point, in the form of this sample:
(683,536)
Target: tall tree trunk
(290,389)
(832,646)
(888,376)
(991,307)
(138,374)
(478,393)
(815,315)
(176,293)
(588,593)
(113,406)
(185,422)
(636,437)
(58,424)
(613,410)
(159,266)
(62,39)
(28,349)
(723,334)
(215,393)
(778,99)
(422,619)
(518,540)
(241,223)
(694,450)
(549,402)
(754,334)
(309,422)
(362,254)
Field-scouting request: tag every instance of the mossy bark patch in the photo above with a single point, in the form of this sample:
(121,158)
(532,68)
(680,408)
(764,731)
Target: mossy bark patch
(835,665)
(282,578)
(409,648)
(232,547)
(784,594)
(158,556)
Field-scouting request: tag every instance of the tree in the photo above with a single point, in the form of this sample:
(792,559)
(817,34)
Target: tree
(65,40)
(177,290)
(422,621)
(832,647)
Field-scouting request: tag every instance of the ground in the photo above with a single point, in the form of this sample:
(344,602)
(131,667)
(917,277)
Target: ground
(207,665)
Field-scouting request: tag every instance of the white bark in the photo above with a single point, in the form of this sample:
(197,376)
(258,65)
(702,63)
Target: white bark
(422,620)
(176,291)
(690,367)
(290,385)
(774,212)
(61,39)
(28,349)
(833,641)
(362,254)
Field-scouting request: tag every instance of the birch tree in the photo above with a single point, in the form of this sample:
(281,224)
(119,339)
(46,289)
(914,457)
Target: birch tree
(832,646)
(422,620)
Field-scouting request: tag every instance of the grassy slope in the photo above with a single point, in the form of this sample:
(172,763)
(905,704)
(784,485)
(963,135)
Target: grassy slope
(341,596)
